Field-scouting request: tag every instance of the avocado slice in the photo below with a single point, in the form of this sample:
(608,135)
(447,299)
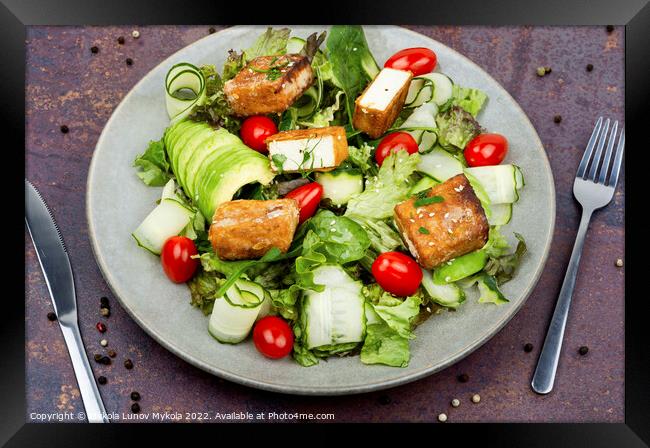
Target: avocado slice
(186,152)
(183,141)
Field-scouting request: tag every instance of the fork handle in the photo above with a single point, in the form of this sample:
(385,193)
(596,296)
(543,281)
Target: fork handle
(544,376)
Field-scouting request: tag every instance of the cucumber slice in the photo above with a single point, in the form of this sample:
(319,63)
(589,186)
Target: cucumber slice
(169,190)
(501,214)
(447,294)
(489,291)
(499,182)
(183,77)
(423,117)
(420,92)
(519,178)
(423,184)
(442,87)
(440,165)
(234,314)
(340,186)
(460,267)
(165,221)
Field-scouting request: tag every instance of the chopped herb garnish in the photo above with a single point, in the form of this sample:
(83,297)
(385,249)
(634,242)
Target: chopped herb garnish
(278,161)
(423,231)
(426,201)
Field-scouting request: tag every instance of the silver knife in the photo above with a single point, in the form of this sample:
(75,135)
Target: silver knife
(54,261)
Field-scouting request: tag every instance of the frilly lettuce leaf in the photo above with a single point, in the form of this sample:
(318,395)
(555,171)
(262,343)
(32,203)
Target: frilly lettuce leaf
(154,168)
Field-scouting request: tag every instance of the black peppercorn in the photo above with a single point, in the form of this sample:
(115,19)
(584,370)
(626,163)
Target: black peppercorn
(384,400)
(98,357)
(128,364)
(51,316)
(609,28)
(101,380)
(135,396)
(463,378)
(548,70)
(120,40)
(65,129)
(103,301)
(557,118)
(135,408)
(106,360)
(590,67)
(94,50)
(528,347)
(211,30)
(112,353)
(583,350)
(129,61)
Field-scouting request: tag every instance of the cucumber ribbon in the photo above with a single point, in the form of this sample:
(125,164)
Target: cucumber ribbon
(180,79)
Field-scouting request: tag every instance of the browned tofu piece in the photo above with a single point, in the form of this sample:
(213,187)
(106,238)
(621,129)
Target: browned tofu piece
(268,84)
(247,229)
(316,149)
(381,102)
(438,232)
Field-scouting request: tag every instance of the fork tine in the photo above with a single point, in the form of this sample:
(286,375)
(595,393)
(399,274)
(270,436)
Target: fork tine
(608,154)
(616,169)
(582,168)
(599,151)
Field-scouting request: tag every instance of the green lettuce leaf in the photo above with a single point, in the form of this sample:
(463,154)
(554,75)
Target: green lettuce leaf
(471,100)
(384,191)
(153,166)
(324,117)
(383,238)
(215,108)
(361,157)
(271,43)
(489,291)
(340,239)
(383,345)
(501,264)
(456,128)
(203,288)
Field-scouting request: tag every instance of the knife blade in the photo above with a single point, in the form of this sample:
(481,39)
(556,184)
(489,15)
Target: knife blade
(55,264)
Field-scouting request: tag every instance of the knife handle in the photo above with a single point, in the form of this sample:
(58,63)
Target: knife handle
(92,400)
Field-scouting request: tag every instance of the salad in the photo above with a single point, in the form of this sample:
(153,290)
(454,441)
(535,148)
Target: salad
(325,204)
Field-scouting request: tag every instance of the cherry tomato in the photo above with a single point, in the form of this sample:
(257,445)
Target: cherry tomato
(273,337)
(308,197)
(397,273)
(254,130)
(394,142)
(417,60)
(176,258)
(486,149)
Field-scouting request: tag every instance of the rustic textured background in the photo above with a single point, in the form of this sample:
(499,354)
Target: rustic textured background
(69,85)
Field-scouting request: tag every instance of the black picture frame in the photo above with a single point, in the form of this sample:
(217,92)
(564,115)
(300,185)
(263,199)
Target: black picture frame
(16,15)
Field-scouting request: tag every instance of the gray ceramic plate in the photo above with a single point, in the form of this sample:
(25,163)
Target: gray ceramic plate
(117,202)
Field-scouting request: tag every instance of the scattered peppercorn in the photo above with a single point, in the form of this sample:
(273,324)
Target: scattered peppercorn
(619,263)
(129,61)
(106,360)
(100,327)
(541,71)
(476,398)
(105,312)
(120,40)
(583,350)
(103,342)
(103,301)
(442,418)
(609,28)
(101,380)
(94,50)
(455,402)
(65,129)
(135,34)
(590,67)
(135,396)
(557,118)
(528,347)
(98,357)
(548,70)
(384,400)
(112,353)
(211,30)
(128,364)
(463,378)
(135,408)
(51,316)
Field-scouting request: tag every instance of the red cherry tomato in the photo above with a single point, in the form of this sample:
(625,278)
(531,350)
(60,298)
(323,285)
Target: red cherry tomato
(308,197)
(176,258)
(417,60)
(254,130)
(397,273)
(394,142)
(486,149)
(273,337)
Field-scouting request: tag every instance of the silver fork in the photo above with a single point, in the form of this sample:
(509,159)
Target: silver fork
(593,187)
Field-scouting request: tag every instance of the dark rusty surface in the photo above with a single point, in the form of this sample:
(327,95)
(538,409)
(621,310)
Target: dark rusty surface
(67,84)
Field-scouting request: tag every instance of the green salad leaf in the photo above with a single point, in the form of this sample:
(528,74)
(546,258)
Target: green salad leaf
(203,288)
(384,191)
(215,108)
(383,238)
(383,345)
(471,100)
(502,264)
(340,239)
(153,166)
(270,43)
(456,127)
(361,157)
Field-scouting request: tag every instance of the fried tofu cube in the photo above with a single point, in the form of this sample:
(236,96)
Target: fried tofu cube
(380,104)
(269,84)
(316,149)
(441,231)
(247,229)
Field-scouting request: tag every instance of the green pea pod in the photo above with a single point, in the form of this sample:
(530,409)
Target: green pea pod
(461,267)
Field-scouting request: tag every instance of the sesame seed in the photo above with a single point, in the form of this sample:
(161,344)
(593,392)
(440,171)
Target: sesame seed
(476,398)
(420,216)
(619,263)
(412,220)
(455,402)
(446,215)
(333,229)
(442,418)
(431,214)
(135,34)
(449,230)
(448,279)
(428,309)
(333,222)
(430,243)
